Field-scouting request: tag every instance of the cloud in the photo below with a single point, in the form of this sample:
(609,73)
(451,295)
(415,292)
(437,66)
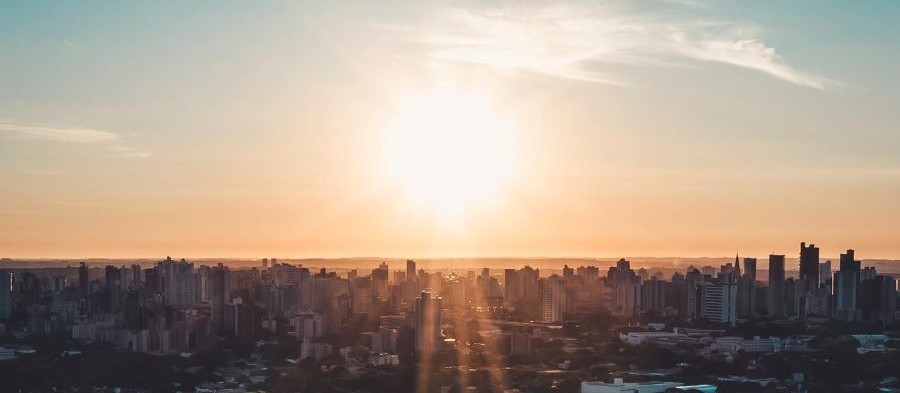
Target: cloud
(580,42)
(111,141)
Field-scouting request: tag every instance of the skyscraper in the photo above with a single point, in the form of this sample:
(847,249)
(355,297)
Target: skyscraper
(750,268)
(776,286)
(825,274)
(511,286)
(178,282)
(6,291)
(113,292)
(809,267)
(428,322)
(361,295)
(219,293)
(410,270)
(654,296)
(380,282)
(553,293)
(746,297)
(84,288)
(878,297)
(846,288)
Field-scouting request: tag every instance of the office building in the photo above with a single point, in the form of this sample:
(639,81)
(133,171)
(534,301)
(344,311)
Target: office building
(719,301)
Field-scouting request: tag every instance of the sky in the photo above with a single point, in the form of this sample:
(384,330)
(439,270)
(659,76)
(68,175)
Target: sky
(448,129)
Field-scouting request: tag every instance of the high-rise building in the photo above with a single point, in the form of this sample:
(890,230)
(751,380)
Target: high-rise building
(776,293)
(825,274)
(84,288)
(243,319)
(809,266)
(627,297)
(28,288)
(511,286)
(750,269)
(691,303)
(428,322)
(308,326)
(867,273)
(133,310)
(878,297)
(453,291)
(654,296)
(219,291)
(179,282)
(361,293)
(729,272)
(719,301)
(553,294)
(746,297)
(846,288)
(113,292)
(6,294)
(410,270)
(380,282)
(152,282)
(521,284)
(58,284)
(530,279)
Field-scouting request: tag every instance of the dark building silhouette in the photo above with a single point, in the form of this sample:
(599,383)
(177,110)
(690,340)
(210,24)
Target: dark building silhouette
(878,299)
(747,288)
(84,288)
(809,266)
(776,294)
(6,294)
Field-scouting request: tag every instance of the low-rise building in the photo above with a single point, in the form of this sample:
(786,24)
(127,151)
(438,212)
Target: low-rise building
(618,385)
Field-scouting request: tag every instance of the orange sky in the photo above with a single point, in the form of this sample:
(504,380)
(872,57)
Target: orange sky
(309,130)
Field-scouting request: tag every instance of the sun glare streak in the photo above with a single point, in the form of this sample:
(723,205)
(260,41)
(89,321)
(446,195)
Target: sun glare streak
(449,150)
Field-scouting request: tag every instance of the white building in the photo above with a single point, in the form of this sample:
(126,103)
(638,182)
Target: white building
(731,345)
(618,385)
(638,338)
(719,302)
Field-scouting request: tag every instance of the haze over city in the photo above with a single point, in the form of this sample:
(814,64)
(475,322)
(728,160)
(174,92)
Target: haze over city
(448,129)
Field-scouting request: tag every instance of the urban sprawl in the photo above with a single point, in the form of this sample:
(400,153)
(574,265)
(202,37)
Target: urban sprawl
(177,326)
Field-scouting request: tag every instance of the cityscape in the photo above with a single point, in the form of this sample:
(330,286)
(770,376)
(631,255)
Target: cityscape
(449,196)
(278,326)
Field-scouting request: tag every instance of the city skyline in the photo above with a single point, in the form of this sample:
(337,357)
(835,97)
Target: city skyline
(448,196)
(465,129)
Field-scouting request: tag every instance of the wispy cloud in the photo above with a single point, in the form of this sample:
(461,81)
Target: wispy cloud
(109,140)
(580,41)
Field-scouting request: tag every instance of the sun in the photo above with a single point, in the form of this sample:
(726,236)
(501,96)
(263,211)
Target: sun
(449,150)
